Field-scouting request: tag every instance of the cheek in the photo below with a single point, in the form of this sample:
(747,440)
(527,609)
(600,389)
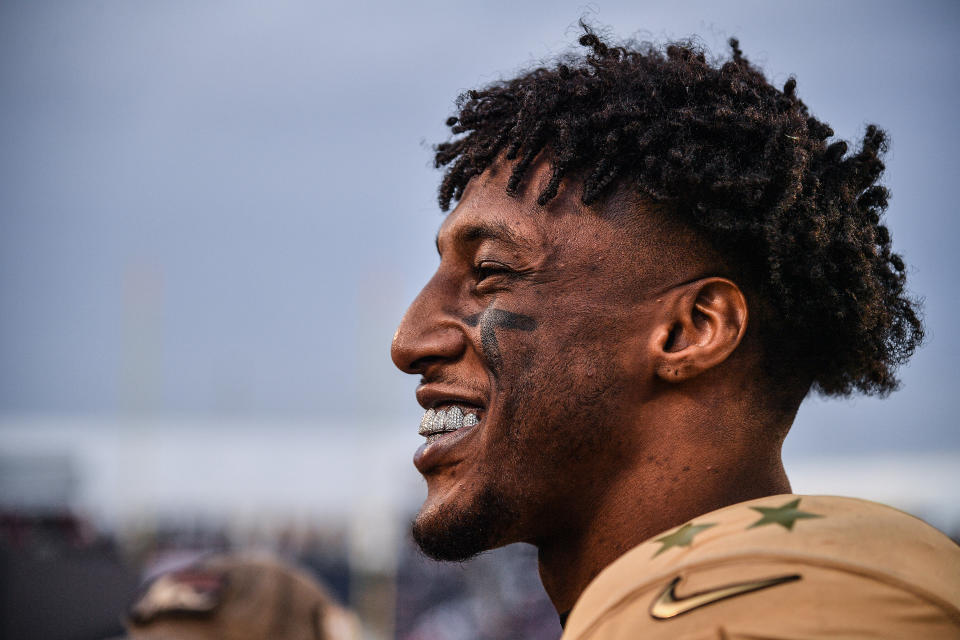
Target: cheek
(576,374)
(562,375)
(565,343)
(557,424)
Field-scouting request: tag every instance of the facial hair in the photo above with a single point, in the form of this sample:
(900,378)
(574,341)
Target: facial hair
(459,534)
(456,533)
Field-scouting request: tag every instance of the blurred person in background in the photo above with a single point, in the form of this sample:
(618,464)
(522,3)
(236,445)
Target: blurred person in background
(653,260)
(238,597)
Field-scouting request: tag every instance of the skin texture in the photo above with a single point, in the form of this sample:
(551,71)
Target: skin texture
(491,320)
(609,356)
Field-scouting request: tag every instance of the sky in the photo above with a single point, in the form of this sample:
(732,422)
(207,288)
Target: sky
(221,209)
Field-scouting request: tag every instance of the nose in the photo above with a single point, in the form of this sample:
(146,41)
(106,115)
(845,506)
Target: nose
(428,333)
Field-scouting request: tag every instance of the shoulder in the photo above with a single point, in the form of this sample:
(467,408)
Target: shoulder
(805,566)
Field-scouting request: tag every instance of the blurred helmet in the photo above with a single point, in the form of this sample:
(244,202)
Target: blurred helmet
(238,597)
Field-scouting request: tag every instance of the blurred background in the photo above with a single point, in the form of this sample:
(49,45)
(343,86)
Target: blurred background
(213,215)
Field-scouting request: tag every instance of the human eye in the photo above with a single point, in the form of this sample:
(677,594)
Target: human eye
(489,268)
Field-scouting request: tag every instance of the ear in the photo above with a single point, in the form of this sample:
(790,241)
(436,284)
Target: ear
(702,323)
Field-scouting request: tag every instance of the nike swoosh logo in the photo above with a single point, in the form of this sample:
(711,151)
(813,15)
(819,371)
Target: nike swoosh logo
(668,605)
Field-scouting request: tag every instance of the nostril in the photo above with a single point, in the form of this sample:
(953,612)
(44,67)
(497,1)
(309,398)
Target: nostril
(415,354)
(422,364)
(416,348)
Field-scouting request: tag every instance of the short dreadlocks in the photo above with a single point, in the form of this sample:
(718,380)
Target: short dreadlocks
(740,161)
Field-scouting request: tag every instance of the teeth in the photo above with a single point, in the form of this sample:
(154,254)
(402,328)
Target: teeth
(453,420)
(427,422)
(436,422)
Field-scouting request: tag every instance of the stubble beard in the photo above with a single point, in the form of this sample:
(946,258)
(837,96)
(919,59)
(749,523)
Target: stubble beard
(452,532)
(457,534)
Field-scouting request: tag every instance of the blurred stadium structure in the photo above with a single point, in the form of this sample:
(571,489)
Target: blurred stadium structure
(106,503)
(95,508)
(212,218)
(245,475)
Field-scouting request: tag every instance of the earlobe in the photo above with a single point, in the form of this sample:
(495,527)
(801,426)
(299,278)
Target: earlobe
(703,324)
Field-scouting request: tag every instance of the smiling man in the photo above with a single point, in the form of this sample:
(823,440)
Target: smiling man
(652,261)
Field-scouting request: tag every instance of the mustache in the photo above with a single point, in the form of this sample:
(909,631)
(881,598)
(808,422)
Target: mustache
(453,380)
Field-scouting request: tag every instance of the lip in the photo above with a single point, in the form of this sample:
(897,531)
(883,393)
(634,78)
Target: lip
(430,396)
(445,451)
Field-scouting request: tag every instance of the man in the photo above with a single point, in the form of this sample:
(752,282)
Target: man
(238,597)
(652,262)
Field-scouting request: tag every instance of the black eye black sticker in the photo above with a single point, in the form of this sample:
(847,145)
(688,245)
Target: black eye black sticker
(489,321)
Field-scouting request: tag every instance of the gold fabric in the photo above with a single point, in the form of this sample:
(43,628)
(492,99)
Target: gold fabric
(780,567)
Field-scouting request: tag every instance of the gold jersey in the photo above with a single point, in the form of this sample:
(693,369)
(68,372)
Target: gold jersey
(781,567)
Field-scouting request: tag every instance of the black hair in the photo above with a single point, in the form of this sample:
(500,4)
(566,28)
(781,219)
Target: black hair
(739,160)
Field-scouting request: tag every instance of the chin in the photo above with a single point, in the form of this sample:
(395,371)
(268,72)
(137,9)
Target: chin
(456,533)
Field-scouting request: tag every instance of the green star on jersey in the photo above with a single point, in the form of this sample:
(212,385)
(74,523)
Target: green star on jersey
(682,537)
(785,516)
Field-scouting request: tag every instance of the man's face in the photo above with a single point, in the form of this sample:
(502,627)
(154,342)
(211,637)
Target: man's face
(531,328)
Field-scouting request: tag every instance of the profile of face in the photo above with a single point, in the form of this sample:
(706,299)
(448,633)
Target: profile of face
(530,343)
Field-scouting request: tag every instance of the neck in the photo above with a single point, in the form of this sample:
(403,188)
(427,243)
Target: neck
(641,504)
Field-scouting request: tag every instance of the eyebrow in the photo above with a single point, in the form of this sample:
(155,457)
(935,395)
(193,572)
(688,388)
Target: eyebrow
(489,231)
